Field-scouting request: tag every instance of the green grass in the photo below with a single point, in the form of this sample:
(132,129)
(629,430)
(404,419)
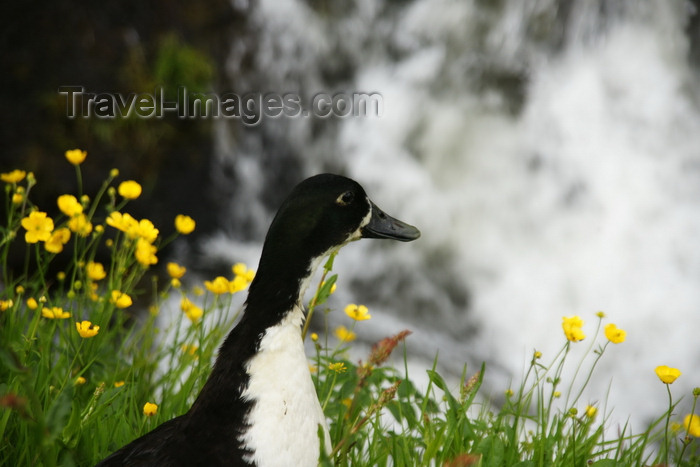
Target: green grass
(71,400)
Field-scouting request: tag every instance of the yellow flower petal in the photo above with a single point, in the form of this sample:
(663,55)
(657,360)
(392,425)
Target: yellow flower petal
(38,226)
(192,311)
(145,253)
(76,156)
(692,424)
(357,312)
(344,334)
(80,225)
(572,326)
(184,224)
(120,300)
(666,374)
(129,189)
(58,238)
(86,329)
(54,312)
(150,409)
(13,177)
(615,334)
(69,205)
(591,411)
(218,286)
(95,271)
(175,270)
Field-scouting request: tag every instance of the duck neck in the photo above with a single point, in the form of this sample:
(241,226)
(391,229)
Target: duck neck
(275,292)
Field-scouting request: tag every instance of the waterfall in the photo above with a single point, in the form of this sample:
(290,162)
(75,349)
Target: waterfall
(546,149)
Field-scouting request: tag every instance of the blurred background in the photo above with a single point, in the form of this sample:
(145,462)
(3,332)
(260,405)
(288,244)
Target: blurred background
(549,150)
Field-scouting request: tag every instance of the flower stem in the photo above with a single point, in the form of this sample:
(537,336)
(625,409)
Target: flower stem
(326,269)
(668,418)
(687,430)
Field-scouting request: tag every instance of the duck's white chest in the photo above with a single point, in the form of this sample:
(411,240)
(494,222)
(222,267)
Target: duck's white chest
(283,423)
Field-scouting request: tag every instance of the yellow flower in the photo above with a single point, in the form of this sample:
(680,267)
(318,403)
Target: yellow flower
(38,227)
(150,409)
(129,189)
(123,222)
(218,286)
(80,380)
(357,312)
(591,411)
(76,156)
(600,314)
(240,269)
(344,334)
(692,424)
(32,304)
(237,284)
(314,336)
(54,313)
(118,384)
(666,374)
(95,271)
(6,304)
(184,224)
(69,205)
(143,229)
(556,394)
(175,283)
(80,225)
(176,271)
(86,329)
(615,334)
(572,328)
(120,300)
(189,349)
(192,311)
(58,238)
(14,176)
(17,198)
(338,367)
(145,253)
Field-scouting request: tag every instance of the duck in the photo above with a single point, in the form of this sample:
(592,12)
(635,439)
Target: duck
(259,406)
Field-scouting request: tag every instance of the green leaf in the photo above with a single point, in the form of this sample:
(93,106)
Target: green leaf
(438,381)
(71,432)
(325,291)
(492,449)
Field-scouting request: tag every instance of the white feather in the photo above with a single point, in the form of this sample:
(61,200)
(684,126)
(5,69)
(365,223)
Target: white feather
(285,418)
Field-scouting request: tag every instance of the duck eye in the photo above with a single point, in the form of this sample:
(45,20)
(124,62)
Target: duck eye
(345,199)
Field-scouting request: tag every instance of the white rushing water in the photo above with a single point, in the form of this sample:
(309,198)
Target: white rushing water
(575,188)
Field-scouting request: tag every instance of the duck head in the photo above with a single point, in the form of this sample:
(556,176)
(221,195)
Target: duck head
(326,211)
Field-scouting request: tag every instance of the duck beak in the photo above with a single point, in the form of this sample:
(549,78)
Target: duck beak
(382,225)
